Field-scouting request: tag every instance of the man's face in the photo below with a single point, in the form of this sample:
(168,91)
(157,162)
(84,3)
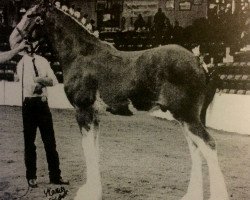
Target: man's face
(30,49)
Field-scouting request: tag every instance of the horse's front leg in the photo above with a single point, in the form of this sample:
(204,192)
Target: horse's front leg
(89,126)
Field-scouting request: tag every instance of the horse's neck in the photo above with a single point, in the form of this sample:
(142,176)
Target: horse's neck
(71,40)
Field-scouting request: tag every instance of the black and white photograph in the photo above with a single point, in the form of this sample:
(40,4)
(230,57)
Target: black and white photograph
(124,99)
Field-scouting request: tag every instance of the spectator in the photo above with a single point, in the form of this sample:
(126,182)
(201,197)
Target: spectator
(228,9)
(221,12)
(229,25)
(149,23)
(123,23)
(221,24)
(245,35)
(159,21)
(139,23)
(168,31)
(159,25)
(177,33)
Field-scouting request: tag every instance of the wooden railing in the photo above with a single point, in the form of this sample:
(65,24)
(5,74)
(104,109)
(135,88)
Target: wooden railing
(235,77)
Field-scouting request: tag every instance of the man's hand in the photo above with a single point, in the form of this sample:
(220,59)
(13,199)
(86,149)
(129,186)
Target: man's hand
(5,56)
(45,81)
(38,89)
(23,45)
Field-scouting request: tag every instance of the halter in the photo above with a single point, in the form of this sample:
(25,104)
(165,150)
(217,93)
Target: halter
(27,37)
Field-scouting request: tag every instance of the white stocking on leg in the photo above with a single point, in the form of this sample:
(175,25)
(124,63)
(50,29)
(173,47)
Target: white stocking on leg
(92,190)
(195,187)
(218,190)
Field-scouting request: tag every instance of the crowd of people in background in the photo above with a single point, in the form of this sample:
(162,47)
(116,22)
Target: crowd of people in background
(229,26)
(222,25)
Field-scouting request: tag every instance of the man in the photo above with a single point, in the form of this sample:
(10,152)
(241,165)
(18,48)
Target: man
(5,56)
(160,21)
(139,23)
(36,75)
(177,33)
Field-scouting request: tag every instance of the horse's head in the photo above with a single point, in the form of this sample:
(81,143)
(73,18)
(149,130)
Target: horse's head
(30,27)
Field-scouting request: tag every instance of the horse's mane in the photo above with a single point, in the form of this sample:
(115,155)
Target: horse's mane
(87,33)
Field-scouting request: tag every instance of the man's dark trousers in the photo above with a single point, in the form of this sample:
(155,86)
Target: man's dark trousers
(36,113)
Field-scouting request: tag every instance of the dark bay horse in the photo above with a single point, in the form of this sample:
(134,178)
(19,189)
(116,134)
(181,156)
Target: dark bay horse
(168,77)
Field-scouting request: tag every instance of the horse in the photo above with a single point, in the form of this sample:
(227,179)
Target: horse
(167,77)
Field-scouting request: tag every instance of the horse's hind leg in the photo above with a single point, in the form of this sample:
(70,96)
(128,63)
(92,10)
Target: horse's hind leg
(195,187)
(210,92)
(206,144)
(89,126)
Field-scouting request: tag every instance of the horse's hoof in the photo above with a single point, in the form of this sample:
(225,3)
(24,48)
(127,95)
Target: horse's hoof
(88,192)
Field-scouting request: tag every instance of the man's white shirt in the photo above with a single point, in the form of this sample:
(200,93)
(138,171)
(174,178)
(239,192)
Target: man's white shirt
(25,70)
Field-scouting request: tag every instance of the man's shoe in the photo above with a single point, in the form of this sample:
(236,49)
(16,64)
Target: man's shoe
(59,182)
(32,183)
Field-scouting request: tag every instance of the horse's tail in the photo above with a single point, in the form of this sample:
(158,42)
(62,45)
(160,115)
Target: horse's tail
(213,82)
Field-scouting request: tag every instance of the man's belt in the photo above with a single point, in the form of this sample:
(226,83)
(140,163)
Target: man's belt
(42,98)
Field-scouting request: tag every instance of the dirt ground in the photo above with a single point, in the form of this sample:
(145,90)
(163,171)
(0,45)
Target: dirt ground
(141,158)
